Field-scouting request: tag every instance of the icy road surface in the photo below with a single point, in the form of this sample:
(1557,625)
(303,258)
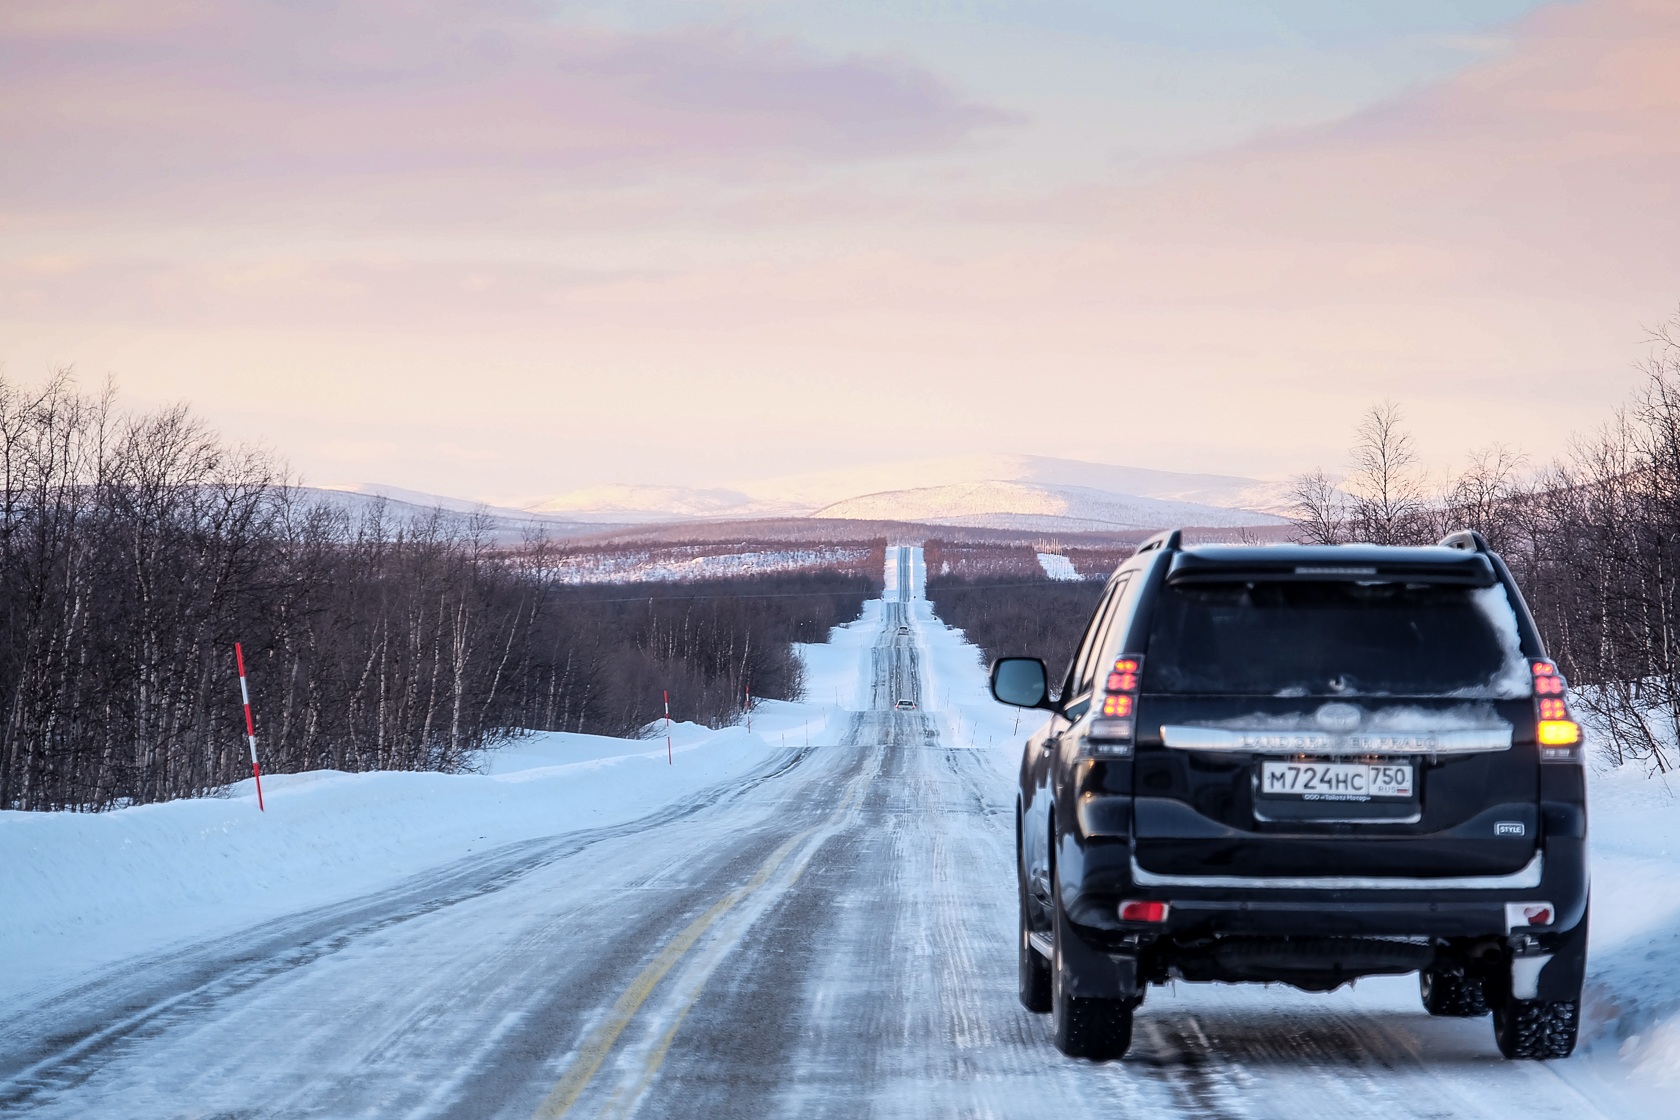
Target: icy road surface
(829,936)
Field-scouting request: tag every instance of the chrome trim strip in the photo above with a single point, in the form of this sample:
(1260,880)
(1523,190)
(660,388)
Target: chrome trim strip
(1257,741)
(1042,943)
(1259,816)
(1528,877)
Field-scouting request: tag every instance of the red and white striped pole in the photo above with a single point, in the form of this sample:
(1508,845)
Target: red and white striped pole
(749,711)
(668,759)
(250,728)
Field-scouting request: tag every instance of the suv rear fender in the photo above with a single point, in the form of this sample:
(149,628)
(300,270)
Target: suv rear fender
(1092,804)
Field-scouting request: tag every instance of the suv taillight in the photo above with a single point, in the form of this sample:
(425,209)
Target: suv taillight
(1555,729)
(1112,725)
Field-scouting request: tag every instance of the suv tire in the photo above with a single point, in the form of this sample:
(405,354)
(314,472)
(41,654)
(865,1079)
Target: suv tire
(1099,1029)
(1461,996)
(1035,970)
(1535,1028)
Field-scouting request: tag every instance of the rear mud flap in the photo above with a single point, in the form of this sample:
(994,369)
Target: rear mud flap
(1091,973)
(1562,977)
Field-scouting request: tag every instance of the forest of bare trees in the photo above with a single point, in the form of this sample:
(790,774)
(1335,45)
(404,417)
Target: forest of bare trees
(1593,539)
(1001,599)
(136,549)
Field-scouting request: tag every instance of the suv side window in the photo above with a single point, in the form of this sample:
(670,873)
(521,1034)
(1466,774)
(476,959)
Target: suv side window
(1096,639)
(1119,613)
(1076,668)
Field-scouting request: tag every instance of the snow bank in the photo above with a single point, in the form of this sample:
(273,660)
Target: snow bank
(84,890)
(1632,1007)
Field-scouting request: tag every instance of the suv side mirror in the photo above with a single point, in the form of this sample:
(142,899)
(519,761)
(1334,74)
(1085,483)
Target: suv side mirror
(1020,681)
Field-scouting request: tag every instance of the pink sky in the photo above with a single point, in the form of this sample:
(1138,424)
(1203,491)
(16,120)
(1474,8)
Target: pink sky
(480,249)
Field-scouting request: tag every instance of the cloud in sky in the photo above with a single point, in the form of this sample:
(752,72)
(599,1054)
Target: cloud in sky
(181,104)
(707,252)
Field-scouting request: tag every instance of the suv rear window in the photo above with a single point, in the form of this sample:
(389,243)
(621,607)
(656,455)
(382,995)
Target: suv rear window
(1310,638)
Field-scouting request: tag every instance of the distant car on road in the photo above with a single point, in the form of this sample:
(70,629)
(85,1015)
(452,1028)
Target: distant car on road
(1306,765)
(906,705)
(904,629)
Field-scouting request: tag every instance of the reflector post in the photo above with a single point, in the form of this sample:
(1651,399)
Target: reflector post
(250,728)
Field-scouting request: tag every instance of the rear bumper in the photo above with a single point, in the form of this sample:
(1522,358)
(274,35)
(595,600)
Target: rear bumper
(1474,906)
(1323,917)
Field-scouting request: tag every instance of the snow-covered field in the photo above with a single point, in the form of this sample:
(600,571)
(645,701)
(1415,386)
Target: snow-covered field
(837,921)
(1057,566)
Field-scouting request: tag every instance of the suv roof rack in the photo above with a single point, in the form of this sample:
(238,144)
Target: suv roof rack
(1467,540)
(1170,540)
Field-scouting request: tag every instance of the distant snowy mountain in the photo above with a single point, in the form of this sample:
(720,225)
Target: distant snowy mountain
(1016,505)
(402,507)
(617,503)
(1026,492)
(828,488)
(1029,492)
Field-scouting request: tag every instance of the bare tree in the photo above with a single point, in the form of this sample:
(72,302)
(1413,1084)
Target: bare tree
(1388,491)
(1487,497)
(135,549)
(1319,508)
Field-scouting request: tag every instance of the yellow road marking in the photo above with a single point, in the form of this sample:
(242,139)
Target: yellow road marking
(595,1048)
(854,793)
(652,1066)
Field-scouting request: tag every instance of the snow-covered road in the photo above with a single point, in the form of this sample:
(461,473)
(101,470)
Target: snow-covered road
(827,934)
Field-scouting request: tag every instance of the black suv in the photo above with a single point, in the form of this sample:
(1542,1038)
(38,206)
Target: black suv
(1304,764)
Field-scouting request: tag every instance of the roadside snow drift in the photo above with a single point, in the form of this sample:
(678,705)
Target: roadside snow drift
(82,890)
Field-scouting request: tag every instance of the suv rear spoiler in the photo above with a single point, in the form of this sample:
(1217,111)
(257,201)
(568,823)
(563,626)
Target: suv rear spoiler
(1467,569)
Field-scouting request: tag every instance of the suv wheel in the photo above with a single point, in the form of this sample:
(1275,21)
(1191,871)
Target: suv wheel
(1461,996)
(1536,1028)
(1099,1029)
(1035,970)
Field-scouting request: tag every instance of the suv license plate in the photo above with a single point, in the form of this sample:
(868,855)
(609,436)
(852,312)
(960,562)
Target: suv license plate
(1336,781)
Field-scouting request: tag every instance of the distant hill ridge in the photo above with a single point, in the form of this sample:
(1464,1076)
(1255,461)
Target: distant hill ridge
(1025,493)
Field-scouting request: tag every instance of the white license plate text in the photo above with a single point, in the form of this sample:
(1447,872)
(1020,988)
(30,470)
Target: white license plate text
(1335,781)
